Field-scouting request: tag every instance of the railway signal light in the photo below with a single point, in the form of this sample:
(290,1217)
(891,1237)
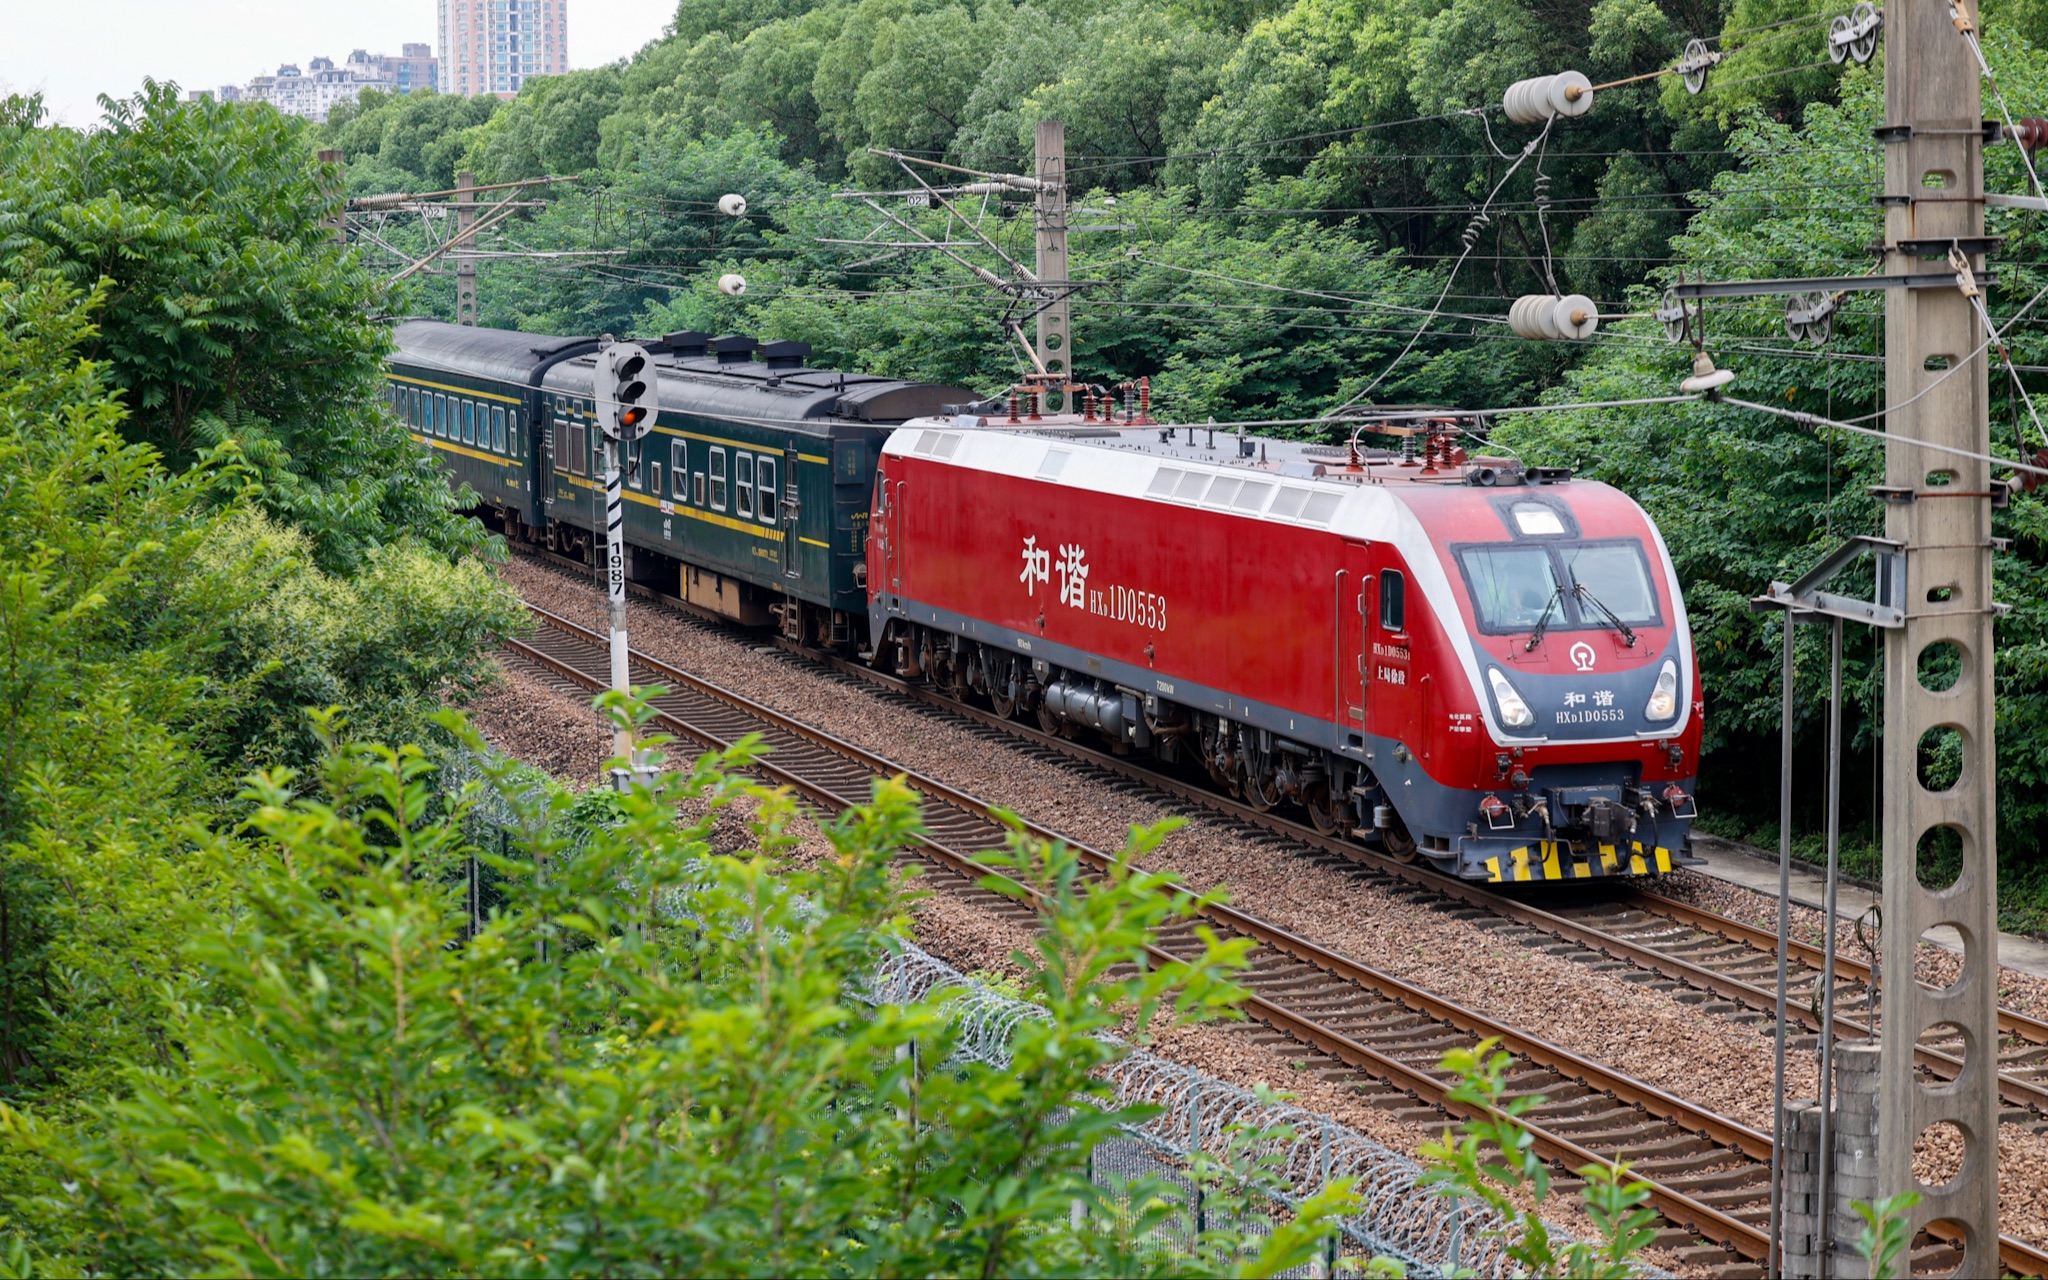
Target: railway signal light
(626,392)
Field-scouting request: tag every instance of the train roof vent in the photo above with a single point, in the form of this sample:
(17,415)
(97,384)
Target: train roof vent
(1321,506)
(687,343)
(1163,482)
(1223,492)
(1055,462)
(733,348)
(1253,496)
(1290,502)
(783,354)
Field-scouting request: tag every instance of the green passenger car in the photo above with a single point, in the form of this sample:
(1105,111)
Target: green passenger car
(748,499)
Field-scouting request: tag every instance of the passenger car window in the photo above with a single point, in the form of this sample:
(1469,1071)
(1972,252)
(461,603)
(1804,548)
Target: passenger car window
(743,480)
(1393,600)
(718,479)
(679,467)
(578,452)
(700,488)
(654,478)
(498,428)
(767,482)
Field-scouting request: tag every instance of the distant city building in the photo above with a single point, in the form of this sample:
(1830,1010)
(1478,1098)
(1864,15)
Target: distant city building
(313,92)
(416,68)
(493,46)
(226,93)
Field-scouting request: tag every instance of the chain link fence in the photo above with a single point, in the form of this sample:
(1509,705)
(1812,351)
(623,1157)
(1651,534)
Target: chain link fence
(1427,1232)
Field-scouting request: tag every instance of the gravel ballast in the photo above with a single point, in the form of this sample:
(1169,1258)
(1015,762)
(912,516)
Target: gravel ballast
(1651,1035)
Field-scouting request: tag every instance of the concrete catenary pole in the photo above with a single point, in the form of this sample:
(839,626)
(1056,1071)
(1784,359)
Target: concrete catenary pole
(1051,268)
(1938,505)
(465,263)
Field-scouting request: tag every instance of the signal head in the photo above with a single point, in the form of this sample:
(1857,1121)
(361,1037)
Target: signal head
(626,393)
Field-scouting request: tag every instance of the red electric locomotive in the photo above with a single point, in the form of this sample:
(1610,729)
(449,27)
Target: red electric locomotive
(1463,660)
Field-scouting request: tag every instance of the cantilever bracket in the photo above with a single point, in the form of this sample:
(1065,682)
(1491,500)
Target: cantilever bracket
(1888,610)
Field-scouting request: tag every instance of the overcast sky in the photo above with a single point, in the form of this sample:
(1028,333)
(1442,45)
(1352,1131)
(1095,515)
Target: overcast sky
(74,50)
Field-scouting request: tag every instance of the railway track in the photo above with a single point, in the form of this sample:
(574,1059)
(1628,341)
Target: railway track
(1708,1174)
(1730,964)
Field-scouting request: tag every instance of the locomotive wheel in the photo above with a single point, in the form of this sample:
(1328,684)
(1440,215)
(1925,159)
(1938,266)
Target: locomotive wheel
(1260,788)
(1048,721)
(1003,704)
(1261,791)
(1400,846)
(1325,812)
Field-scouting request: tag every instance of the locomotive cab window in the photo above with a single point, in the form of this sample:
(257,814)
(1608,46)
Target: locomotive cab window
(1393,600)
(1564,586)
(743,482)
(718,479)
(1513,585)
(766,479)
(679,467)
(1614,574)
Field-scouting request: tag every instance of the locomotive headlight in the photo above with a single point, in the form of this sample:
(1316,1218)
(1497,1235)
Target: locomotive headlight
(1514,713)
(1663,702)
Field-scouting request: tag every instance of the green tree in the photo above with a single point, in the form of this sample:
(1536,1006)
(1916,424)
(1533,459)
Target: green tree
(1744,498)
(234,324)
(158,638)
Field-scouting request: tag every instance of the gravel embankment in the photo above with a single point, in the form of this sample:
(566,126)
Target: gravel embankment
(1648,1034)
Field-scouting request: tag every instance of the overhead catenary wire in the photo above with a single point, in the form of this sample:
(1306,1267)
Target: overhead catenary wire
(1816,420)
(1968,29)
(1452,276)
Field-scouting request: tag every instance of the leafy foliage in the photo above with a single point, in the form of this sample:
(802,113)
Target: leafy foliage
(1493,1156)
(1743,498)
(235,325)
(158,638)
(651,1059)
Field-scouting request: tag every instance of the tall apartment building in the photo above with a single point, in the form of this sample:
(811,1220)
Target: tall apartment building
(492,46)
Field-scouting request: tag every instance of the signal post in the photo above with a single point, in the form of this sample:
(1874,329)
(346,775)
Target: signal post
(626,407)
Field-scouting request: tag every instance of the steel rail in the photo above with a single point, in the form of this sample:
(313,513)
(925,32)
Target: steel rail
(1939,1063)
(2032,1030)
(2018,1256)
(1682,1210)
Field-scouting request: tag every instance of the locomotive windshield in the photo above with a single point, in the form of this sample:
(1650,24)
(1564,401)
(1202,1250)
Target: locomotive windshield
(1511,585)
(1515,586)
